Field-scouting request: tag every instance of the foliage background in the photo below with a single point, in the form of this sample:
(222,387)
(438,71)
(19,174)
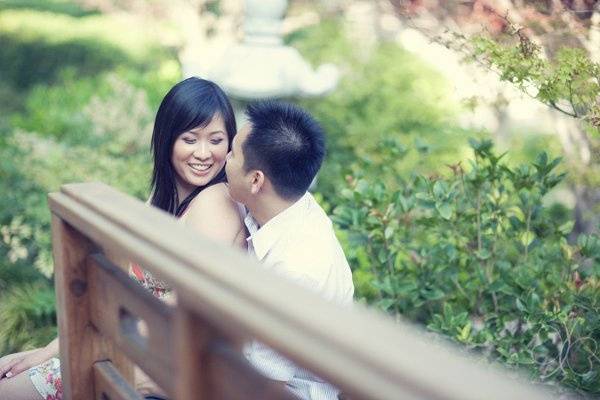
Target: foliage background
(77,92)
(439,228)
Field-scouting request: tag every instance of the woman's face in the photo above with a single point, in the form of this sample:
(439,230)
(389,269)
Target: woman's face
(199,155)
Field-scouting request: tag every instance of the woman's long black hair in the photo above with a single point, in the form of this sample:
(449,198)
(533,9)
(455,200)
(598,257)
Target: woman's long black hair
(189,104)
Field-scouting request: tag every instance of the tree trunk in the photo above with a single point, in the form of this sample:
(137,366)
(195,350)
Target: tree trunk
(577,148)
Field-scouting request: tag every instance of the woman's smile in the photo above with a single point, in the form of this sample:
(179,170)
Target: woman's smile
(200,168)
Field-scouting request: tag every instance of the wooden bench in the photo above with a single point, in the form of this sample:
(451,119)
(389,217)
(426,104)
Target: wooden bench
(223,300)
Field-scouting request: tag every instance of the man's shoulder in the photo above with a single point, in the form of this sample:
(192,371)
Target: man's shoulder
(315,215)
(311,229)
(311,244)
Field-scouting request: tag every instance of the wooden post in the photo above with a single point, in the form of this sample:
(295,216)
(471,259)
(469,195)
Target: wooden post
(192,337)
(80,343)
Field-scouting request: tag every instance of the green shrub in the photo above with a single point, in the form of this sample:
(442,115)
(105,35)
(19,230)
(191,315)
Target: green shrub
(54,6)
(74,92)
(390,96)
(140,41)
(25,62)
(104,125)
(74,109)
(56,111)
(105,137)
(28,315)
(478,257)
(38,46)
(325,42)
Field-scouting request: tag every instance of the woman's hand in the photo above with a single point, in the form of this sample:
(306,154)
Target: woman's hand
(13,364)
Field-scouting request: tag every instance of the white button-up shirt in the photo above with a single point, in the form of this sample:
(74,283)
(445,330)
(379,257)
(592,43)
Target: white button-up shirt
(300,245)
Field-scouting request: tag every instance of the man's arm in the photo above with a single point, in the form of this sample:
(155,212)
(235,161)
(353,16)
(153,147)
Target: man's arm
(269,363)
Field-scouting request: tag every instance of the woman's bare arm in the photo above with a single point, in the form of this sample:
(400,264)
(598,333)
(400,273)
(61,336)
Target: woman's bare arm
(13,364)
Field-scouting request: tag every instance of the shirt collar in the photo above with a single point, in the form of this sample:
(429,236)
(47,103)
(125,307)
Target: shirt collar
(263,238)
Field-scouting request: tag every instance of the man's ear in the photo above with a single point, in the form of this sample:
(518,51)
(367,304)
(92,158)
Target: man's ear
(257,182)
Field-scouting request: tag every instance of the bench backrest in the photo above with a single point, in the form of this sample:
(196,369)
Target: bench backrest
(192,350)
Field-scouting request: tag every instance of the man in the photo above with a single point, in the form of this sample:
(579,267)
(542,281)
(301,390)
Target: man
(273,160)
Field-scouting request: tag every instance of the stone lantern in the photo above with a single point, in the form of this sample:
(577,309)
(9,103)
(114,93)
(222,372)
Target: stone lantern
(261,66)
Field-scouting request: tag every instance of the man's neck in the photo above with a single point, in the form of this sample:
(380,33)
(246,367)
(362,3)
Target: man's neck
(267,208)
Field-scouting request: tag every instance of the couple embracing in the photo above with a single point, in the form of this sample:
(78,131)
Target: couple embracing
(247,189)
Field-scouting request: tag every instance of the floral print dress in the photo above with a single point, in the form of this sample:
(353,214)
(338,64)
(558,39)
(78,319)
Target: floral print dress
(46,379)
(46,376)
(155,286)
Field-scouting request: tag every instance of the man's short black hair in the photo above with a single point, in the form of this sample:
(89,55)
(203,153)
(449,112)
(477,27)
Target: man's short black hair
(286,143)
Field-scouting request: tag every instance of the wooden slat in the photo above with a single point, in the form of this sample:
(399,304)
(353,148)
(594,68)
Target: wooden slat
(114,294)
(365,354)
(192,336)
(110,385)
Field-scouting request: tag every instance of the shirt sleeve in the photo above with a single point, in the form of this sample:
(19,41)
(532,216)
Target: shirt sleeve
(269,362)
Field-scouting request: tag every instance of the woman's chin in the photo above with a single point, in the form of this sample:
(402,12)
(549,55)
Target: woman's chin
(201,180)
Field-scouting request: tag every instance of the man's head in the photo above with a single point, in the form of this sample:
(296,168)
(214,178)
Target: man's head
(279,150)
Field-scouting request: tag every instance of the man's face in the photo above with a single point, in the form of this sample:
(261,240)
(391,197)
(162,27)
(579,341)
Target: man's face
(239,181)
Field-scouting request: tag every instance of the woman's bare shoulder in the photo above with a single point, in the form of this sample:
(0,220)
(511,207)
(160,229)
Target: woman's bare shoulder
(216,188)
(214,198)
(215,214)
(218,193)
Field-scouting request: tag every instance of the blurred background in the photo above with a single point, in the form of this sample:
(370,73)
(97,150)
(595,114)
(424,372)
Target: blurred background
(462,170)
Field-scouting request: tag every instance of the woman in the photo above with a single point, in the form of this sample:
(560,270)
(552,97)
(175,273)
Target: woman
(193,131)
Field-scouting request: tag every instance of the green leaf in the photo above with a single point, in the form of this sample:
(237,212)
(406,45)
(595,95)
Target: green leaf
(448,312)
(382,255)
(389,232)
(520,305)
(405,289)
(541,160)
(445,210)
(385,286)
(384,304)
(421,146)
(497,285)
(527,238)
(362,186)
(483,254)
(433,294)
(439,189)
(402,202)
(533,301)
(423,196)
(590,376)
(517,213)
(346,193)
(567,227)
(465,332)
